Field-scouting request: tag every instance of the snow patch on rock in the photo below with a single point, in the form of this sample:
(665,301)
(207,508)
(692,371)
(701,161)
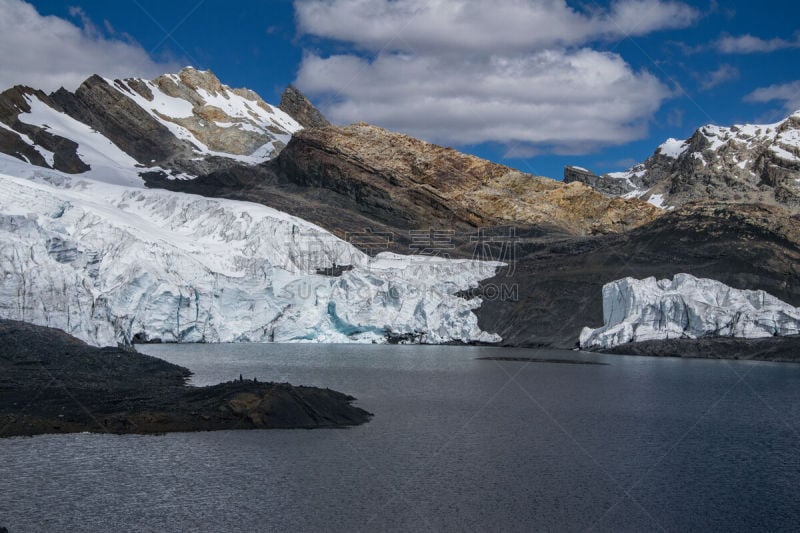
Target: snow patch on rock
(106,160)
(673,148)
(656,200)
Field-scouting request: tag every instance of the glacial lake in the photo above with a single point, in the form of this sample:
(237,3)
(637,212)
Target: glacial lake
(456,444)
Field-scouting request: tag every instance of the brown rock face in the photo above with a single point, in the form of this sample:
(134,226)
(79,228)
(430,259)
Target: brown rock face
(421,183)
(301,109)
(201,79)
(374,187)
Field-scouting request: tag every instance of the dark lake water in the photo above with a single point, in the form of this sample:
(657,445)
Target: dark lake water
(457,444)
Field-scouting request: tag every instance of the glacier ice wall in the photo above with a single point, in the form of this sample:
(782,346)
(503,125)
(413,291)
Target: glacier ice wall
(110,264)
(686,307)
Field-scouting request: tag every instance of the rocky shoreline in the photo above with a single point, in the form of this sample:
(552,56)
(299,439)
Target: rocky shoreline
(776,349)
(51,382)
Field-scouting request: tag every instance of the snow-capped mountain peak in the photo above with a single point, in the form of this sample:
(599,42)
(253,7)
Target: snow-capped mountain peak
(178,125)
(752,162)
(216,119)
(672,148)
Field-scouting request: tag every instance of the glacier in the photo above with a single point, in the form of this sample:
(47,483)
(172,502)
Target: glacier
(113,264)
(686,307)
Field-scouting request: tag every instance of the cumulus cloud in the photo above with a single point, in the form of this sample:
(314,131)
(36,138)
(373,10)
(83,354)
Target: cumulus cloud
(788,94)
(723,74)
(48,52)
(518,72)
(748,44)
(556,97)
(499,26)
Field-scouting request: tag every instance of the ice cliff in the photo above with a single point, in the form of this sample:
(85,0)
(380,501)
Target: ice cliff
(110,264)
(686,307)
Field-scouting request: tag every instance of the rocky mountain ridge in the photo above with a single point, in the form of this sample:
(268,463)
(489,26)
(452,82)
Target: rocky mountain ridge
(181,125)
(427,183)
(296,105)
(189,132)
(362,179)
(743,163)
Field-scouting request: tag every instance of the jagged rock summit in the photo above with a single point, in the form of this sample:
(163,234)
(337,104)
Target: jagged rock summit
(743,163)
(295,104)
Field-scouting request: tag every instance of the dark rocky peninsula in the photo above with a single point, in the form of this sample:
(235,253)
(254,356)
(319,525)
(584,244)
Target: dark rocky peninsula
(51,382)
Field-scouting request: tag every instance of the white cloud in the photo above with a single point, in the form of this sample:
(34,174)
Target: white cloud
(47,52)
(477,25)
(786,93)
(574,100)
(748,44)
(517,72)
(719,76)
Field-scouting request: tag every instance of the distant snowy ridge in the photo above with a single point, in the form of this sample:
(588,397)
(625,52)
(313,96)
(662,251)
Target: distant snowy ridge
(686,307)
(746,162)
(112,264)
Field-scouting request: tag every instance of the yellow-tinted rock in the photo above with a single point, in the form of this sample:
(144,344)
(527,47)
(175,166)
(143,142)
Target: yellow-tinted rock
(432,181)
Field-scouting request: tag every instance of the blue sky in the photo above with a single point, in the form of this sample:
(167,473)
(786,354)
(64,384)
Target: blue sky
(532,84)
